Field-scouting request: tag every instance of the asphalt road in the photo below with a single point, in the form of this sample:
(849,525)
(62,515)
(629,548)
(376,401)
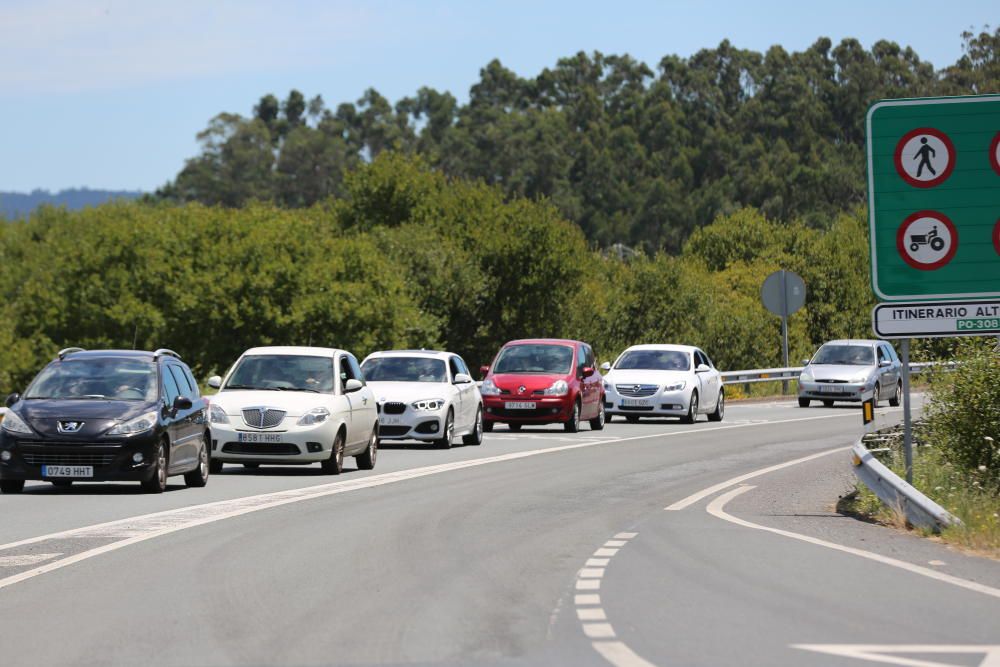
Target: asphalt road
(536,548)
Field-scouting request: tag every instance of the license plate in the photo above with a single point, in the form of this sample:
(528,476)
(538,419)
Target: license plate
(390,421)
(259,437)
(831,390)
(67,471)
(520,405)
(636,403)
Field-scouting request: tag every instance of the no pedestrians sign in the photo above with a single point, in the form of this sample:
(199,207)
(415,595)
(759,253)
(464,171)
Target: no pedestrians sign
(934,198)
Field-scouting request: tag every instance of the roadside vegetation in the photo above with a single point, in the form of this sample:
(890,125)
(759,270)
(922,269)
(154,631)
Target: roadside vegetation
(957,460)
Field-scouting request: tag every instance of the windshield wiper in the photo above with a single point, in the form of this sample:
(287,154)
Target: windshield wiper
(250,387)
(314,391)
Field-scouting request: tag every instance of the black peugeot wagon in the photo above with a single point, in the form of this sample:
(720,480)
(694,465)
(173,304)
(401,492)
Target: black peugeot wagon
(107,415)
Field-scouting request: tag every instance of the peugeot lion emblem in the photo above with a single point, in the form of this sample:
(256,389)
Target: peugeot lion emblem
(69,427)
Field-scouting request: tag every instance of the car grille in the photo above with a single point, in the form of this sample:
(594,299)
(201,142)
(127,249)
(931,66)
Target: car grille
(263,417)
(832,381)
(265,448)
(636,390)
(532,414)
(53,459)
(393,431)
(636,408)
(393,408)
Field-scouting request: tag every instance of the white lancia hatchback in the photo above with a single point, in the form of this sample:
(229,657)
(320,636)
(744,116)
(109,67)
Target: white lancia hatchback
(293,405)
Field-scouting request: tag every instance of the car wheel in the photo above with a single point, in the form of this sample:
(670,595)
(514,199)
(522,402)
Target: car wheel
(214,466)
(476,437)
(62,483)
(632,419)
(692,414)
(335,464)
(11,485)
(597,423)
(157,482)
(199,476)
(514,427)
(875,395)
(573,425)
(898,396)
(827,403)
(366,461)
(448,434)
(720,408)
(803,402)
(487,427)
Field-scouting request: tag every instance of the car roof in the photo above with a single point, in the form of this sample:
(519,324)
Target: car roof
(303,350)
(663,346)
(431,354)
(543,341)
(853,341)
(110,354)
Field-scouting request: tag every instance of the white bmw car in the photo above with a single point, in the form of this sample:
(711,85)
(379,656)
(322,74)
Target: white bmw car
(663,381)
(293,405)
(426,396)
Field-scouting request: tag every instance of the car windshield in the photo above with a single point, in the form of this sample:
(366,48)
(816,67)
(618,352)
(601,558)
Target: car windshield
(544,359)
(283,372)
(96,379)
(845,355)
(655,360)
(404,369)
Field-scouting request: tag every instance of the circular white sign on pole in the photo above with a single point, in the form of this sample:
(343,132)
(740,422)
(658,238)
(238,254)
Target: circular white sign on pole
(927,240)
(995,153)
(925,157)
(783,293)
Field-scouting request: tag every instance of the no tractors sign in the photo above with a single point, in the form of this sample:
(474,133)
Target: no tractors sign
(934,198)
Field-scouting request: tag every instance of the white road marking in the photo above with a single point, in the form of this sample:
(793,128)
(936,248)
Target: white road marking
(615,543)
(625,536)
(591,614)
(606,552)
(597,562)
(620,655)
(715,488)
(591,573)
(885,653)
(588,584)
(598,630)
(586,598)
(146,527)
(716,508)
(26,559)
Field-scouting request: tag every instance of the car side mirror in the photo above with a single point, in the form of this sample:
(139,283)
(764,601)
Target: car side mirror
(884,363)
(606,366)
(462,378)
(12,399)
(484,370)
(352,386)
(805,362)
(588,371)
(182,403)
(702,368)
(215,382)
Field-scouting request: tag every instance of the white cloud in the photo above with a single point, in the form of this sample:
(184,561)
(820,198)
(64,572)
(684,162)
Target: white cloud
(70,46)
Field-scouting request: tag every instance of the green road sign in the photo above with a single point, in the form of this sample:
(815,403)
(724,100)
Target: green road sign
(934,197)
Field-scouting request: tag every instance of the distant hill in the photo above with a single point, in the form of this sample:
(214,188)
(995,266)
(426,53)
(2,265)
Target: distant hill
(19,204)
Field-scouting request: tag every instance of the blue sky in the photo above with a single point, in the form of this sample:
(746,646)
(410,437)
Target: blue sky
(111,94)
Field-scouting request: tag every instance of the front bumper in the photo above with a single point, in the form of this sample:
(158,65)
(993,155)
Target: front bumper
(660,404)
(282,444)
(110,460)
(833,391)
(546,410)
(423,425)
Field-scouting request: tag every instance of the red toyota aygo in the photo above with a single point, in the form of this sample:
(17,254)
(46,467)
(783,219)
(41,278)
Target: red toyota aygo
(543,381)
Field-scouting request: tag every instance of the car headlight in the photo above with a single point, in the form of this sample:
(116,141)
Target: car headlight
(428,404)
(806,376)
(313,417)
(489,388)
(676,386)
(217,415)
(861,378)
(558,388)
(140,424)
(11,422)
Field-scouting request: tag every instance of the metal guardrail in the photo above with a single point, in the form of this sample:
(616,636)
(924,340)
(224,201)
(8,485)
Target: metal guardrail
(896,493)
(793,372)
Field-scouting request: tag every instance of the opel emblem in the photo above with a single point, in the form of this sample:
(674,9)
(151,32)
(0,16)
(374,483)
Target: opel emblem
(522,389)
(637,388)
(69,427)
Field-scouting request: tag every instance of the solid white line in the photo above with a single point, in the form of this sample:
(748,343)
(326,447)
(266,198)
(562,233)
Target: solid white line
(695,497)
(220,510)
(715,508)
(620,655)
(888,653)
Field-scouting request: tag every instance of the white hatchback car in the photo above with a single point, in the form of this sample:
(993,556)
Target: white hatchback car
(423,395)
(294,405)
(663,381)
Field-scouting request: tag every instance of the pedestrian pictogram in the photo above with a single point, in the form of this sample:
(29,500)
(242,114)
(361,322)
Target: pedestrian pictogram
(925,157)
(927,240)
(995,154)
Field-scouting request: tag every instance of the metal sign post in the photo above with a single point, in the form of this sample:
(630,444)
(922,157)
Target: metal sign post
(907,421)
(783,293)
